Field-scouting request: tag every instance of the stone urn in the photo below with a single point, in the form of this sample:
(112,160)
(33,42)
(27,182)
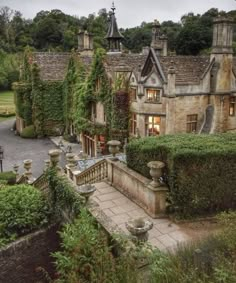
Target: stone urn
(139,228)
(27,166)
(16,168)
(86,191)
(156,172)
(70,160)
(114,147)
(54,156)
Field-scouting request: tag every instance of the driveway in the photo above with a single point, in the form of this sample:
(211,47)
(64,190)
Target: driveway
(17,149)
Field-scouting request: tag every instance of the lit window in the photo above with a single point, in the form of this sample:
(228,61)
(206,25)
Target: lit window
(133,124)
(153,95)
(133,94)
(232,101)
(191,123)
(153,124)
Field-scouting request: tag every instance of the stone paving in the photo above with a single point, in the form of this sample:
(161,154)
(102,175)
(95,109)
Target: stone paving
(119,209)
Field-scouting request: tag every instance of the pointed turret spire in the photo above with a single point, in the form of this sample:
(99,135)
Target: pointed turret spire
(113,35)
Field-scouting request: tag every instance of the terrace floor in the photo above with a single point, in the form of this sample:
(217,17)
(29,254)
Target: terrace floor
(116,209)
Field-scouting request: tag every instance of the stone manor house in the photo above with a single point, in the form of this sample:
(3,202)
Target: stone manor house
(168,94)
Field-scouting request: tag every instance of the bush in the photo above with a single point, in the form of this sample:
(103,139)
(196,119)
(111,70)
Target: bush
(87,256)
(200,169)
(210,260)
(22,209)
(28,132)
(9,177)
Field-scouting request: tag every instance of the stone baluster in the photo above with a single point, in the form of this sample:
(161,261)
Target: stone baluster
(16,169)
(28,166)
(46,165)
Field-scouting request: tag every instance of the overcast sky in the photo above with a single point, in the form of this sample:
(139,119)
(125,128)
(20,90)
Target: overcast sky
(129,13)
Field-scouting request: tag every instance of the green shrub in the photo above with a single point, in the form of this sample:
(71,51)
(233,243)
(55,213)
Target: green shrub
(22,209)
(200,169)
(87,256)
(28,132)
(9,177)
(7,115)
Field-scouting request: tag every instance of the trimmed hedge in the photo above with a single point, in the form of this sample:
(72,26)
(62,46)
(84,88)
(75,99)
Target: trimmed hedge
(9,177)
(200,169)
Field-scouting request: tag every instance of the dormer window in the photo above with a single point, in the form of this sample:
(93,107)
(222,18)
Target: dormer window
(153,95)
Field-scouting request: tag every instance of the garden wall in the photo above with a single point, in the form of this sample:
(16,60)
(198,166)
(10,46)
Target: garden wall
(20,262)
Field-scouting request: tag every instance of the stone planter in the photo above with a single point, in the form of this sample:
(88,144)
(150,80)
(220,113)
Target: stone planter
(156,172)
(114,147)
(16,169)
(70,160)
(139,228)
(86,191)
(54,157)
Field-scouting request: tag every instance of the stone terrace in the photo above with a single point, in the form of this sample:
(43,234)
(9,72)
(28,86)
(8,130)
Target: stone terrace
(118,209)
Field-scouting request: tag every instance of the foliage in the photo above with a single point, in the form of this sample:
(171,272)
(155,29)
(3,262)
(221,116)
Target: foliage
(10,177)
(64,201)
(87,255)
(200,169)
(46,103)
(9,69)
(210,260)
(28,132)
(22,209)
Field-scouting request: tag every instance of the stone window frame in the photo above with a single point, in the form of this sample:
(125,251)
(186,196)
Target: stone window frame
(153,100)
(191,123)
(133,97)
(133,124)
(154,125)
(232,103)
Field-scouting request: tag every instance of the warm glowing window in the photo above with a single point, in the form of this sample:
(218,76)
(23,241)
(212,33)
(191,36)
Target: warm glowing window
(153,95)
(133,94)
(232,101)
(133,124)
(153,124)
(191,123)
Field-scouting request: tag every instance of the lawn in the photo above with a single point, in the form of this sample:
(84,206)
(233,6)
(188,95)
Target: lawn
(6,104)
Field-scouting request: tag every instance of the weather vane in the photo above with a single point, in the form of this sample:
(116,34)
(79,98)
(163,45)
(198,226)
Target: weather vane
(113,7)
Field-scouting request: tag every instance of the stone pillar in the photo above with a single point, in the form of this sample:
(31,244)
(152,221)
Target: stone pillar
(159,189)
(46,165)
(170,101)
(28,166)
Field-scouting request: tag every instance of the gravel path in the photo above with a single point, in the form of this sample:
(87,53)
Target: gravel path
(17,149)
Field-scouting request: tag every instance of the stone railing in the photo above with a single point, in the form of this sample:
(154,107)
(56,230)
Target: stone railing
(96,173)
(150,195)
(41,183)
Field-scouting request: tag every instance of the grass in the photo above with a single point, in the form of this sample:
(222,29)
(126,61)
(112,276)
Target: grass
(6,104)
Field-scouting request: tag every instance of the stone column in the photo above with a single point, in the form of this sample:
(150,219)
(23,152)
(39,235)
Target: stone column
(28,166)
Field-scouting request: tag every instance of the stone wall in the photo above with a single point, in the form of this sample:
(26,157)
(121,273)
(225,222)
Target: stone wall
(21,261)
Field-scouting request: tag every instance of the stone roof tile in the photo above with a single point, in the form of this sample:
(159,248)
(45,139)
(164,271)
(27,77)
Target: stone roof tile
(189,69)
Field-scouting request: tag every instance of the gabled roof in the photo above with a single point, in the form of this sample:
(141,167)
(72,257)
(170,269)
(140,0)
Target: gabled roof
(124,62)
(53,65)
(189,69)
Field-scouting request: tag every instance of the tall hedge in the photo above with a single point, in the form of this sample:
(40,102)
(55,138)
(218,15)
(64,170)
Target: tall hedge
(200,169)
